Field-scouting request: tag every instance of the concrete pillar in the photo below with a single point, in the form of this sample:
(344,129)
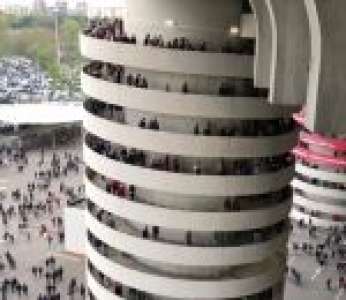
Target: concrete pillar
(326,103)
(54,139)
(263,44)
(290,51)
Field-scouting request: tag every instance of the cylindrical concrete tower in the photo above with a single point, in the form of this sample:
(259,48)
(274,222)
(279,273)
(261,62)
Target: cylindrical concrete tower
(320,181)
(188,166)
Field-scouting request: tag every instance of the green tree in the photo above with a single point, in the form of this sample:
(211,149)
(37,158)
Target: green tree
(69,33)
(34,37)
(4,26)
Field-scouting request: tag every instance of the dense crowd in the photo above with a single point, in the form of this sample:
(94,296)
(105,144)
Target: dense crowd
(326,246)
(231,203)
(109,29)
(114,30)
(234,87)
(21,79)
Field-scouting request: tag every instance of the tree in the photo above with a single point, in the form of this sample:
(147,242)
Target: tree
(34,37)
(71,58)
(69,34)
(4,26)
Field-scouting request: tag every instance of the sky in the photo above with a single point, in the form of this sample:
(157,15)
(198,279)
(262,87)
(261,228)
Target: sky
(71,2)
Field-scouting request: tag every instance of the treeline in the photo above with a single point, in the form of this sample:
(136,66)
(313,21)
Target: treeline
(34,21)
(34,37)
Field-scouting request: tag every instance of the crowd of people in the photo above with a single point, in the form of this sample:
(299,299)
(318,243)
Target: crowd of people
(52,275)
(32,211)
(109,29)
(177,164)
(314,165)
(321,183)
(113,29)
(126,292)
(233,128)
(233,87)
(115,287)
(315,212)
(25,201)
(116,74)
(326,247)
(237,45)
(13,286)
(181,43)
(22,80)
(189,238)
(231,203)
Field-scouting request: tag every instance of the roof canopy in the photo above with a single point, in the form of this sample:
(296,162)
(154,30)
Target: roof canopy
(51,113)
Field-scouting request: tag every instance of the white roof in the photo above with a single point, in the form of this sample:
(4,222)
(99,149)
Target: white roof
(48,113)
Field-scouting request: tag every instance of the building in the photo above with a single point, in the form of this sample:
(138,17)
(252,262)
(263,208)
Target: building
(188,164)
(110,8)
(320,173)
(320,181)
(81,8)
(33,124)
(16,9)
(39,7)
(61,7)
(102,12)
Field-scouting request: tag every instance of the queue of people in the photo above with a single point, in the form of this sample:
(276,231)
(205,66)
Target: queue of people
(317,166)
(123,291)
(236,45)
(113,29)
(189,238)
(177,164)
(109,29)
(315,213)
(126,259)
(153,124)
(233,128)
(115,74)
(321,183)
(233,87)
(181,43)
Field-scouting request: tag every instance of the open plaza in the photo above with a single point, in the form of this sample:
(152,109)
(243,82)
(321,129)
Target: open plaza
(32,230)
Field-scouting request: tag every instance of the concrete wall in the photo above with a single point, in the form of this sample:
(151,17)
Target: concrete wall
(75,230)
(197,13)
(326,108)
(248,26)
(195,19)
(290,52)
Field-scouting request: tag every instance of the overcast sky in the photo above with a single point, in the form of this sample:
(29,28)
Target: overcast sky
(71,2)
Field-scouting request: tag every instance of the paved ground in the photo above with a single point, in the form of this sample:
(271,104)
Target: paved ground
(313,276)
(34,252)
